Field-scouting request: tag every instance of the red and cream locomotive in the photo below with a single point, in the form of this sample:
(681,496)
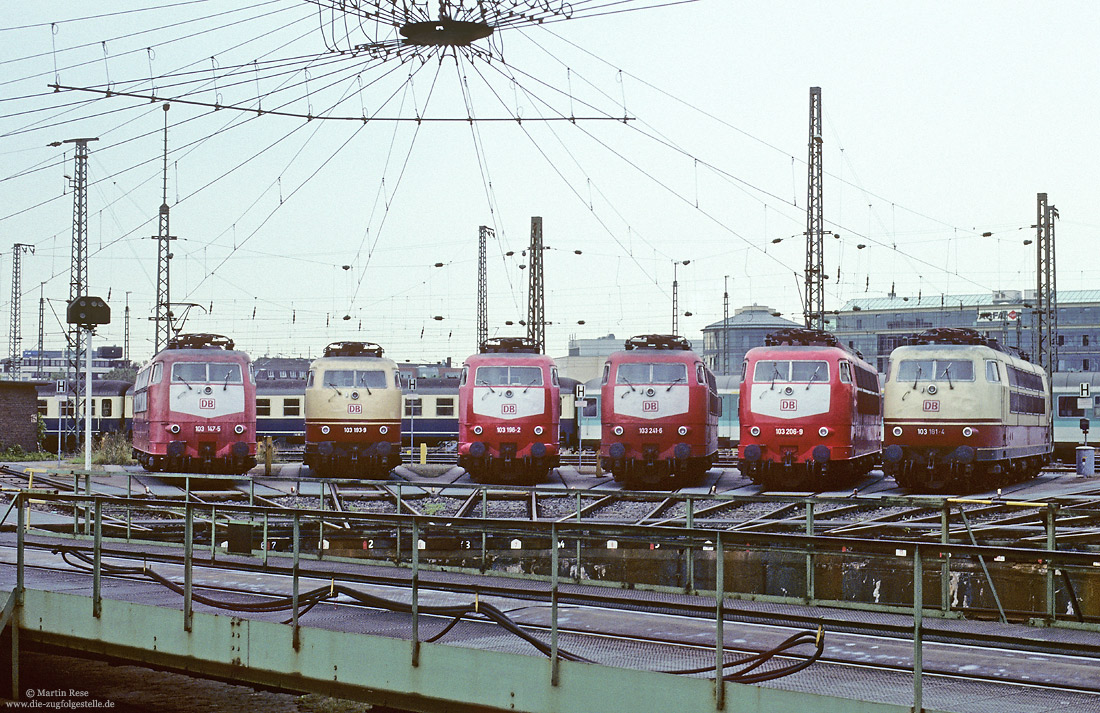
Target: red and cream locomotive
(810,411)
(353,412)
(195,408)
(660,411)
(963,413)
(509,413)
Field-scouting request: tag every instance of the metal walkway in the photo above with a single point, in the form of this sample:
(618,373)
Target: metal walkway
(587,647)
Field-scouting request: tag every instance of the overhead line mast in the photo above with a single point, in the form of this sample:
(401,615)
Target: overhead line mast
(1046,286)
(163,315)
(484,233)
(815,223)
(536,299)
(15,337)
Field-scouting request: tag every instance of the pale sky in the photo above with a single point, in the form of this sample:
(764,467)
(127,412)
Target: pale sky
(942,121)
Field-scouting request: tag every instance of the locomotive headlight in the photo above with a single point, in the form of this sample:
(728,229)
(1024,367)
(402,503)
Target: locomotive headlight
(325,430)
(897,431)
(382,429)
(618,430)
(238,429)
(538,430)
(823,431)
(682,430)
(478,430)
(755,430)
(174,428)
(968,432)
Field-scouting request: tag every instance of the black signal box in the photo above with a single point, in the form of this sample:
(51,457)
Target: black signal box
(88,311)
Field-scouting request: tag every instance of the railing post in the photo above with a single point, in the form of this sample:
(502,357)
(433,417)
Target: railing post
(294,593)
(266,544)
(76,507)
(213,531)
(416,593)
(809,553)
(918,621)
(719,622)
(97,561)
(484,535)
(689,587)
(129,496)
(321,525)
(554,604)
(579,519)
(188,543)
(17,610)
(88,494)
(1052,544)
(945,558)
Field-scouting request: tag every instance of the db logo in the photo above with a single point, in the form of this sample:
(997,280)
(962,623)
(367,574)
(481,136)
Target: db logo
(508,409)
(355,408)
(931,405)
(206,403)
(788,405)
(649,406)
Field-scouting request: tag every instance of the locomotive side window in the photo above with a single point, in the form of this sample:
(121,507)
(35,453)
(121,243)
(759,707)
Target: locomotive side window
(309,380)
(700,377)
(992,371)
(744,369)
(845,373)
(606,373)
(225,373)
(189,372)
(465,376)
(554,377)
(156,374)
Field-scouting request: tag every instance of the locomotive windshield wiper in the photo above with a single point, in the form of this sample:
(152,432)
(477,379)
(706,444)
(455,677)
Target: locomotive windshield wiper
(775,375)
(334,388)
(813,377)
(180,378)
(533,382)
(674,382)
(628,384)
(225,386)
(947,373)
(917,377)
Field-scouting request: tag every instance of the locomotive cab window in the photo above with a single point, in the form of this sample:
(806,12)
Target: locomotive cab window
(771,371)
(508,376)
(373,379)
(158,371)
(465,375)
(845,373)
(700,375)
(606,373)
(189,372)
(992,371)
(309,380)
(936,370)
(225,373)
(651,373)
(554,377)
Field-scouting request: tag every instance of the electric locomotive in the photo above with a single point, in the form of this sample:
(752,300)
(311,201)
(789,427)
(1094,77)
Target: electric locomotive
(195,408)
(353,412)
(810,411)
(509,412)
(660,409)
(962,412)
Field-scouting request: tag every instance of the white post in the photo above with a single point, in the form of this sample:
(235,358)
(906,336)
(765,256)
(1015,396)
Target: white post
(88,405)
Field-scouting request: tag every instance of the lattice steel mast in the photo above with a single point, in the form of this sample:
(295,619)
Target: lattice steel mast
(725,325)
(78,276)
(484,233)
(536,300)
(163,317)
(1046,287)
(41,329)
(15,336)
(815,223)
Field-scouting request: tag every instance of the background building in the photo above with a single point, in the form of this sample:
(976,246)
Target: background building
(746,329)
(877,325)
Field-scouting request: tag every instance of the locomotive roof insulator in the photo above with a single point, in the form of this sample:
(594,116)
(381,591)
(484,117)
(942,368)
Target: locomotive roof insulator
(658,341)
(200,341)
(353,349)
(509,345)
